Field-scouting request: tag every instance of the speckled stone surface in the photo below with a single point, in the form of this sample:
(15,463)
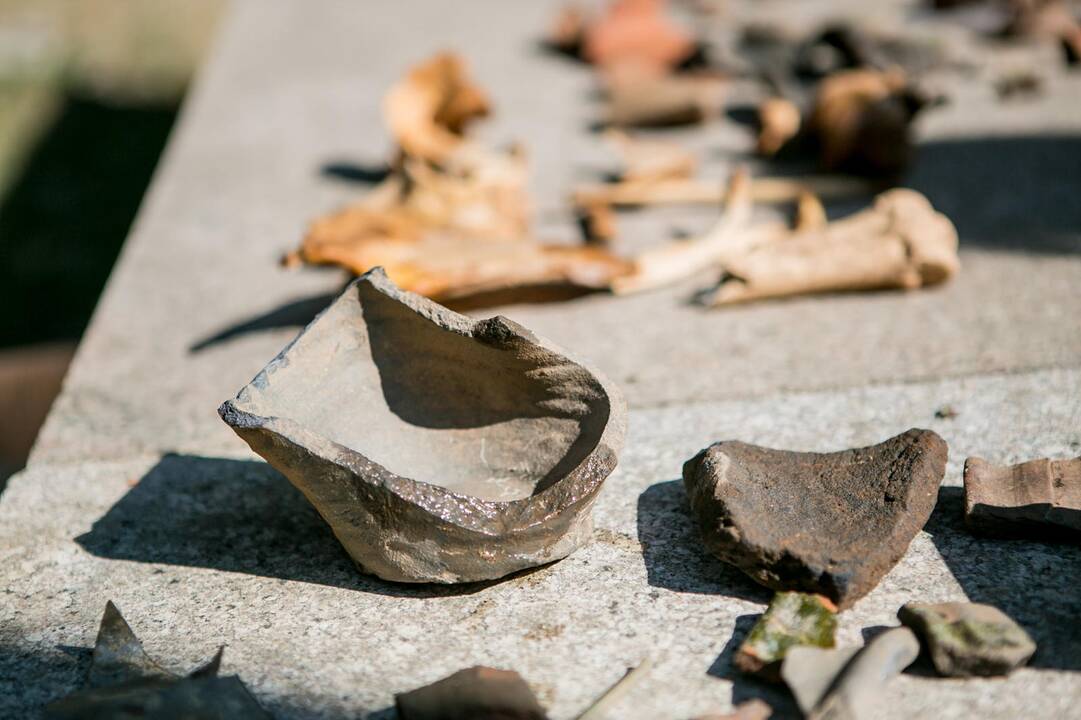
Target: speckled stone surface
(137,492)
(201,550)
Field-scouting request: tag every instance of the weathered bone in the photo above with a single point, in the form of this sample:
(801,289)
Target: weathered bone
(900,242)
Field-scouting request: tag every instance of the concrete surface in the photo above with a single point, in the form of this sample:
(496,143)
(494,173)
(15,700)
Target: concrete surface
(137,492)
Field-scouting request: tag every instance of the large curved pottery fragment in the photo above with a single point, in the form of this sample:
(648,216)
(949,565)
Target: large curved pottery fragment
(439,448)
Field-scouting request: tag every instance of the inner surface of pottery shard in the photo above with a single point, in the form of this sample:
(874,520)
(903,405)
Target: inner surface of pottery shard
(1039,498)
(966,639)
(124,682)
(792,619)
(477,693)
(847,684)
(828,523)
(439,448)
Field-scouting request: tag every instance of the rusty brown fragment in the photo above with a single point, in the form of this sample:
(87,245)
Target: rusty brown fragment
(827,523)
(861,121)
(453,217)
(1037,499)
(637,33)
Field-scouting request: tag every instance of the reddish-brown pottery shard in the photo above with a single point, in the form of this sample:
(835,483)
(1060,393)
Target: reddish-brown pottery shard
(1038,499)
(439,448)
(826,523)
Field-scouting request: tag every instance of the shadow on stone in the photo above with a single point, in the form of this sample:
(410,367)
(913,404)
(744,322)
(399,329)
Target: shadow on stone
(674,555)
(64,217)
(354,172)
(746,687)
(293,314)
(237,516)
(1016,193)
(1034,583)
(30,678)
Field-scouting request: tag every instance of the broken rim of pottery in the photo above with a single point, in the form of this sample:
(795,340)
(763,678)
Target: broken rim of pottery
(439,448)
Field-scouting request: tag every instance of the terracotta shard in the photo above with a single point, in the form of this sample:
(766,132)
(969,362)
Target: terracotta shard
(637,33)
(438,448)
(848,684)
(792,619)
(1038,499)
(477,693)
(965,639)
(827,523)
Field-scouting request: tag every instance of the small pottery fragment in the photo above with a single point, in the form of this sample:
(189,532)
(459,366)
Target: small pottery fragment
(437,447)
(124,683)
(965,639)
(847,684)
(1038,499)
(476,693)
(828,523)
(754,709)
(791,619)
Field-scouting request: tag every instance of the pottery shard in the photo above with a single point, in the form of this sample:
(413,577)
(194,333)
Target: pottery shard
(792,619)
(848,684)
(828,523)
(438,447)
(965,639)
(1039,498)
(477,693)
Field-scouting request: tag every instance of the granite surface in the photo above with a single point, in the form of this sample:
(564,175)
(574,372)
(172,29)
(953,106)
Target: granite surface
(136,492)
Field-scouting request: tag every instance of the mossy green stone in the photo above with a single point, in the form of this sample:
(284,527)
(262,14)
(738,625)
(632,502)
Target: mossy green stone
(966,639)
(792,619)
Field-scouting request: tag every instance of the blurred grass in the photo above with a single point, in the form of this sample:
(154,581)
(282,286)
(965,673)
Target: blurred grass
(89,90)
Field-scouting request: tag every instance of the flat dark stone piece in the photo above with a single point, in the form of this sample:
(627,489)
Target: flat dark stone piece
(826,523)
(966,639)
(438,447)
(1039,499)
(476,693)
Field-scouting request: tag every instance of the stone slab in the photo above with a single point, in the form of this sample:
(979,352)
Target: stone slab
(202,550)
(289,103)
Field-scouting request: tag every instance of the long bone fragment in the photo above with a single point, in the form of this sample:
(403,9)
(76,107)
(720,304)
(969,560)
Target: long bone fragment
(899,242)
(729,237)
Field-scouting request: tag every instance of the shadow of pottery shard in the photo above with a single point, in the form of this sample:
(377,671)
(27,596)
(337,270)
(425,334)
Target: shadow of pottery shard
(791,619)
(437,447)
(1038,499)
(477,693)
(965,639)
(827,523)
(849,683)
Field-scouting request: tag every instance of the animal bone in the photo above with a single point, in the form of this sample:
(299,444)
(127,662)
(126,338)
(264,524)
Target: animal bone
(900,242)
(676,261)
